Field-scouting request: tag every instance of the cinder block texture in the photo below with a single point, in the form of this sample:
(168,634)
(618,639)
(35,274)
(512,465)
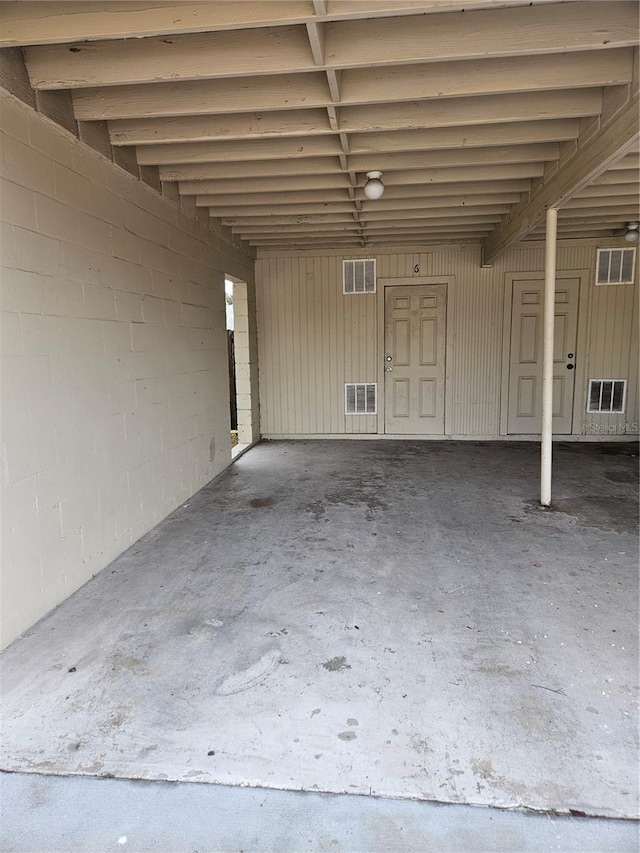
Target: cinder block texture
(115,401)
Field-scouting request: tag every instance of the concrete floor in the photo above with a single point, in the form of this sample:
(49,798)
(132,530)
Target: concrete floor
(391,618)
(56,814)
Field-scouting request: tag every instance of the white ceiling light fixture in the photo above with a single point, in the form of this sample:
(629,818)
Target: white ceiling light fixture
(374,188)
(631,235)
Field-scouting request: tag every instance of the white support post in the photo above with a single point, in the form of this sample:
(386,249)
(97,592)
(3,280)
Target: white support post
(547,355)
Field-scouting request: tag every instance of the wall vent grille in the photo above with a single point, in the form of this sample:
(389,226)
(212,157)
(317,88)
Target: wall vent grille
(607,395)
(616,266)
(359,276)
(361,398)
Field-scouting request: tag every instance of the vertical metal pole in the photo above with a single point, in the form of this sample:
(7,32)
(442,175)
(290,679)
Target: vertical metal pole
(547,355)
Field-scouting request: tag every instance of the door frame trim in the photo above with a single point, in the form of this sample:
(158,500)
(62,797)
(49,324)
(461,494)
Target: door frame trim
(404,281)
(582,324)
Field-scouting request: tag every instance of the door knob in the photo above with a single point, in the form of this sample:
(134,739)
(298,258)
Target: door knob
(388,369)
(570,366)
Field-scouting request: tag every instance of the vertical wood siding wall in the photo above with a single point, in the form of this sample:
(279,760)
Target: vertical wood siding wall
(313,339)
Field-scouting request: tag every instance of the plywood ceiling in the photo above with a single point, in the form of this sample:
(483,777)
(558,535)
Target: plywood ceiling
(479,114)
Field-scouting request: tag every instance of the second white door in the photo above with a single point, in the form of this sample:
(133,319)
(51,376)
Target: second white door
(525,361)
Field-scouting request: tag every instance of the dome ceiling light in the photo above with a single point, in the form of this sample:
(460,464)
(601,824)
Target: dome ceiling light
(374,188)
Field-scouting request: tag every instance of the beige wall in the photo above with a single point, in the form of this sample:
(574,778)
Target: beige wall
(114,374)
(246,361)
(313,339)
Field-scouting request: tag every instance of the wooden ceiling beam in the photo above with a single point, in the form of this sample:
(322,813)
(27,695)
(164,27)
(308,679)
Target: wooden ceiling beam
(285,49)
(313,239)
(208,55)
(299,183)
(237,150)
(512,188)
(315,122)
(426,212)
(441,166)
(451,174)
(594,191)
(477,34)
(249,169)
(620,212)
(320,227)
(333,119)
(592,156)
(499,155)
(612,177)
(630,161)
(428,221)
(34,23)
(601,202)
(202,97)
(289,219)
(422,207)
(611,221)
(281,208)
(333,81)
(457,228)
(574,226)
(315,34)
(426,238)
(236,212)
(439,80)
(312,122)
(476,136)
(482,109)
(273,199)
(499,75)
(471,179)
(24,23)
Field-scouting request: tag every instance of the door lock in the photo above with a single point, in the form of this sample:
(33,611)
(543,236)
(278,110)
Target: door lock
(388,358)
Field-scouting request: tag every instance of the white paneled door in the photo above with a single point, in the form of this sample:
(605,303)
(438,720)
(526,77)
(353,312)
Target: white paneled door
(415,334)
(525,358)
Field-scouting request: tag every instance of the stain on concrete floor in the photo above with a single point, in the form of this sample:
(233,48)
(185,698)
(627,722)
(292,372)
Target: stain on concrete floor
(337,664)
(603,512)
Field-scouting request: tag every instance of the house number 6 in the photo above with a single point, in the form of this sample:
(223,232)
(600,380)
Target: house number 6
(416,269)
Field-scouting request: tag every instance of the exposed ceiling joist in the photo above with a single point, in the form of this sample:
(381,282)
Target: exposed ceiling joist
(350,44)
(23,23)
(269,113)
(438,80)
(607,145)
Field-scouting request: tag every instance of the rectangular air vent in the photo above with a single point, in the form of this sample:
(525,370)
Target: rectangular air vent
(360,398)
(616,266)
(359,276)
(607,395)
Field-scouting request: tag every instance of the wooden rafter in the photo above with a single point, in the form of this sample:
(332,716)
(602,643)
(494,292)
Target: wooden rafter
(608,144)
(267,114)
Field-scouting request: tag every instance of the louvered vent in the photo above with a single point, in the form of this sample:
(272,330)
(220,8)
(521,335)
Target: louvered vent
(607,395)
(359,276)
(616,266)
(360,398)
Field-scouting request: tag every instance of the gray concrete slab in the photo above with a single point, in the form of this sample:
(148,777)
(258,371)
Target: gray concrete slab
(48,814)
(398,619)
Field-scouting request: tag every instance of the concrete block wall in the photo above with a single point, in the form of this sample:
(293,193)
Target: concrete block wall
(246,358)
(115,402)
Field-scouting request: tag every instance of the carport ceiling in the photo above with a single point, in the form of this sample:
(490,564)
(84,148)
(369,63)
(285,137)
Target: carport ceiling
(479,114)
